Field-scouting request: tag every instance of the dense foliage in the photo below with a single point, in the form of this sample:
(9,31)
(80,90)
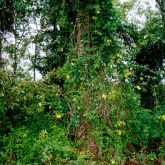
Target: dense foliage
(101,99)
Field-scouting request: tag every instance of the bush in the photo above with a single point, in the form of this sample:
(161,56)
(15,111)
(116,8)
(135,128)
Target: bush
(96,122)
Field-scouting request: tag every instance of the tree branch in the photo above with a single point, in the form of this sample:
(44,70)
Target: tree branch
(161,5)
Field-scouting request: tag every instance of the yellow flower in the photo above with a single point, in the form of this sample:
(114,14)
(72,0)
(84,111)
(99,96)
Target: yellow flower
(108,42)
(72,63)
(40,104)
(113,161)
(98,11)
(126,74)
(82,152)
(58,115)
(112,92)
(68,77)
(121,123)
(138,87)
(119,132)
(104,96)
(141,78)
(61,49)
(118,55)
(145,36)
(94,17)
(163,117)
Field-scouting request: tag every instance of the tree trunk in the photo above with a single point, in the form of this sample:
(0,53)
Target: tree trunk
(15,53)
(163,18)
(161,4)
(15,62)
(79,35)
(82,31)
(1,60)
(34,61)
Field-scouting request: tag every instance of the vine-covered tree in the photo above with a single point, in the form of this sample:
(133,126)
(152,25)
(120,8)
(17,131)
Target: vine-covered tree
(87,26)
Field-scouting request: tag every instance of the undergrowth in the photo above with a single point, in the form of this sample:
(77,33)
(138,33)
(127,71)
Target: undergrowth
(96,123)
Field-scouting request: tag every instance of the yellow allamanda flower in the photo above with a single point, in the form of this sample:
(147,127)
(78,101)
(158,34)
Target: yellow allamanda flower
(138,87)
(151,159)
(94,17)
(68,77)
(72,63)
(40,104)
(98,11)
(119,55)
(141,78)
(109,41)
(113,161)
(126,74)
(163,117)
(104,96)
(83,152)
(121,123)
(58,116)
(119,132)
(61,49)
